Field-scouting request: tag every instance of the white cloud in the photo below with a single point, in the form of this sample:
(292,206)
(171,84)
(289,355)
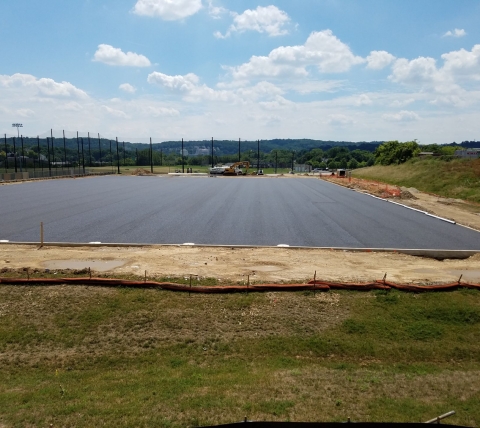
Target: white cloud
(270,20)
(189,86)
(339,119)
(127,88)
(162,111)
(25,112)
(44,86)
(458,67)
(402,116)
(402,102)
(115,112)
(216,11)
(363,100)
(115,56)
(180,83)
(455,33)
(463,63)
(379,59)
(322,49)
(169,10)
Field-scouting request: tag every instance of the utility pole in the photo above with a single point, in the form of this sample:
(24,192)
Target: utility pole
(38,150)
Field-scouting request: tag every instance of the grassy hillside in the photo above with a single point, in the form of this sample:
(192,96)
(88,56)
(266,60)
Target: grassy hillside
(453,179)
(86,356)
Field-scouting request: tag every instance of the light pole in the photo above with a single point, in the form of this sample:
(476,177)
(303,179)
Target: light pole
(17,125)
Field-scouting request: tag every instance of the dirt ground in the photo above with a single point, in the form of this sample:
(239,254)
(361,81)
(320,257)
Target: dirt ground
(233,265)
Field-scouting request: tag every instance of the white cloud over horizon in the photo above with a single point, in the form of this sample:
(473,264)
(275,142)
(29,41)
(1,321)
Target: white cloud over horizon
(277,72)
(109,55)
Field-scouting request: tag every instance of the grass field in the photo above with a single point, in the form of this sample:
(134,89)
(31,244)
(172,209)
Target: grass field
(85,356)
(458,178)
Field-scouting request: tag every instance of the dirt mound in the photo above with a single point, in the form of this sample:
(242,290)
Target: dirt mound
(407,193)
(141,171)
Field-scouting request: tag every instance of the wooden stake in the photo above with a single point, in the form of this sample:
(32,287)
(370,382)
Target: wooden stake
(41,234)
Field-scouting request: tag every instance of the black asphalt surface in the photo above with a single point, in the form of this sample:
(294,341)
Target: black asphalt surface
(221,210)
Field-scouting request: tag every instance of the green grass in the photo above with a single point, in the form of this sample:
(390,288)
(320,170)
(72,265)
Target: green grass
(458,178)
(86,356)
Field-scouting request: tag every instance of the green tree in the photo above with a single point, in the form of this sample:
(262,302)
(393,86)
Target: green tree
(394,152)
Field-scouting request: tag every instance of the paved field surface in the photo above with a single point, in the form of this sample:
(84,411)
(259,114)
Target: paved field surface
(230,211)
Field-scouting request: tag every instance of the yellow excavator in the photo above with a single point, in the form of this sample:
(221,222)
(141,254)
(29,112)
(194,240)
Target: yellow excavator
(235,169)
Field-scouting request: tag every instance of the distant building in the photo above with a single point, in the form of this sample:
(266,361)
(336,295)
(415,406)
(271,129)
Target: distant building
(468,153)
(303,168)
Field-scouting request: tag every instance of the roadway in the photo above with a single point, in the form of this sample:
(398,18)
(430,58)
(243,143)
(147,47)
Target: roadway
(218,211)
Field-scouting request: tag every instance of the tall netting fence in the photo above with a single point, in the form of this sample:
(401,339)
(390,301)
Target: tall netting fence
(83,153)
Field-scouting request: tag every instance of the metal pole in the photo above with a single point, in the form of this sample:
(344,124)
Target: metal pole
(89,152)
(136,156)
(64,151)
(100,149)
(6,153)
(124,153)
(183,162)
(276,160)
(48,158)
(151,156)
(111,155)
(161,157)
(53,150)
(212,152)
(78,153)
(118,157)
(22,159)
(293,155)
(83,159)
(38,149)
(258,155)
(239,149)
(15,154)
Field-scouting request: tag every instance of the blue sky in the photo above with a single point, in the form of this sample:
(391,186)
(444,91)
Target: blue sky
(354,70)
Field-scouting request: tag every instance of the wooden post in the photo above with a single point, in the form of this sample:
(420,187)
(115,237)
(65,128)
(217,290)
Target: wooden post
(314,279)
(41,234)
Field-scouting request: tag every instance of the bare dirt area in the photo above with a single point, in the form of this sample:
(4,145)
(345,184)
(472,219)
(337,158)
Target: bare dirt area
(234,265)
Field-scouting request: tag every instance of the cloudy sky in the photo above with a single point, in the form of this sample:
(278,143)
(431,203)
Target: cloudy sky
(252,69)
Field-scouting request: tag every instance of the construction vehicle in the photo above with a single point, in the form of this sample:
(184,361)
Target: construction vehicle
(236,168)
